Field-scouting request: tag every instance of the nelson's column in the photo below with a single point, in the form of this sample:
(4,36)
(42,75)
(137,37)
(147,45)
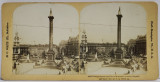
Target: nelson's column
(50,53)
(119,51)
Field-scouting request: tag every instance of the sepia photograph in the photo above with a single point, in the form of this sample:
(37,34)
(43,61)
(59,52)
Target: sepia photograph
(111,40)
(43,36)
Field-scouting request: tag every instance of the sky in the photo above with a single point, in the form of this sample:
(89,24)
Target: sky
(98,20)
(32,23)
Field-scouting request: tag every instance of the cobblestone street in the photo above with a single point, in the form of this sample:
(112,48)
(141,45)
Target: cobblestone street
(43,71)
(94,68)
(91,68)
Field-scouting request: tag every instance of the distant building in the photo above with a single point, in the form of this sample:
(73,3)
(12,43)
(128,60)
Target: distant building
(63,47)
(26,49)
(137,47)
(72,47)
(104,48)
(140,46)
(88,49)
(18,49)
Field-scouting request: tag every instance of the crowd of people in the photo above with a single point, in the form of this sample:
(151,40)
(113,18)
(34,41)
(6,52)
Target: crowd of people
(77,65)
(67,65)
(136,63)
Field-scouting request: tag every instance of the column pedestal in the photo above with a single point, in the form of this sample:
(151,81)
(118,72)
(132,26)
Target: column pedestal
(50,58)
(118,54)
(50,55)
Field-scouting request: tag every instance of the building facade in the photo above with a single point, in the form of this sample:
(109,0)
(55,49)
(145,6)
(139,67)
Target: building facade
(72,47)
(137,47)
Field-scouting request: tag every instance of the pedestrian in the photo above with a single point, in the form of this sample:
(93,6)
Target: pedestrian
(14,68)
(59,73)
(82,66)
(132,69)
(138,67)
(69,69)
(63,70)
(77,69)
(128,71)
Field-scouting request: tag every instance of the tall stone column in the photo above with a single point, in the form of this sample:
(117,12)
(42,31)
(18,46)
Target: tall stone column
(119,50)
(50,54)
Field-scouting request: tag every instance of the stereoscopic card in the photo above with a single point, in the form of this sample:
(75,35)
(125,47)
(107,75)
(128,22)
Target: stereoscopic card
(80,40)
